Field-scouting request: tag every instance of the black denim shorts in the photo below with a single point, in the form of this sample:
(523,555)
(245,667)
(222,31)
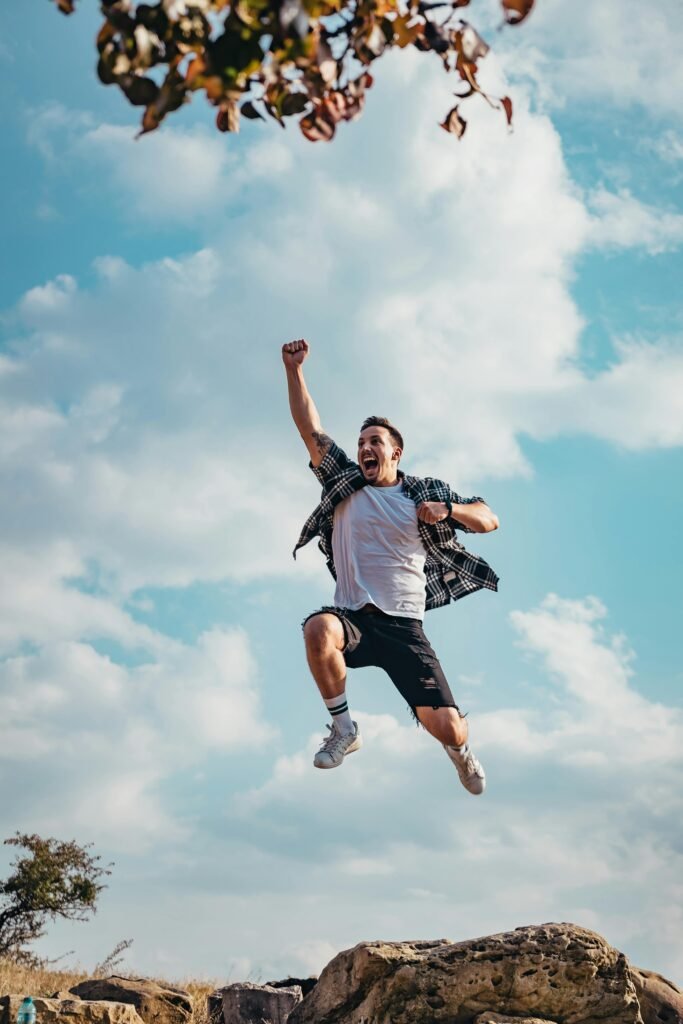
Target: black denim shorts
(400,647)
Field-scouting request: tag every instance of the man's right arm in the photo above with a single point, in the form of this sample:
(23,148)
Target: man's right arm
(302,406)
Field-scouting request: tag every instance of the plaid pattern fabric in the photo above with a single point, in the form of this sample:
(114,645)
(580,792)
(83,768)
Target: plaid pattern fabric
(451,571)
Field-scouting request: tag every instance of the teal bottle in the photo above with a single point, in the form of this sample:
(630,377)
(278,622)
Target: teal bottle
(27,1012)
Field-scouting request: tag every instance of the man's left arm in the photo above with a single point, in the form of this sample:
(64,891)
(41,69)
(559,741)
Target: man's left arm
(471,515)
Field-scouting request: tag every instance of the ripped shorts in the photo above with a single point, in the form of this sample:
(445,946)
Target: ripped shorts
(400,647)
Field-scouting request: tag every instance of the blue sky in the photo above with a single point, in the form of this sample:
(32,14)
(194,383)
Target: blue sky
(512,302)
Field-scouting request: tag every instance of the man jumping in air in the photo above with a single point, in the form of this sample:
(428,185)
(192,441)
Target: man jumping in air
(389,540)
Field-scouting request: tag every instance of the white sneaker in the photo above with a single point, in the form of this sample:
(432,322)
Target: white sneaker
(470,771)
(336,746)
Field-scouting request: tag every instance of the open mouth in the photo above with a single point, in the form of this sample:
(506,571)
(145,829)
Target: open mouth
(369,463)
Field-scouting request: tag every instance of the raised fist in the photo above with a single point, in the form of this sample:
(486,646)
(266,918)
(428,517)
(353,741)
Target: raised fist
(294,352)
(432,511)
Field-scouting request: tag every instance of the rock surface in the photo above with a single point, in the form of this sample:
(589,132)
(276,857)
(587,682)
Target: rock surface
(70,1011)
(156,1004)
(305,984)
(661,1002)
(501,1018)
(555,971)
(245,1003)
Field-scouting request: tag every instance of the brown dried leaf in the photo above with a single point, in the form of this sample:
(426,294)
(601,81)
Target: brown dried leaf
(228,117)
(406,30)
(249,111)
(66,6)
(506,104)
(293,18)
(104,36)
(139,91)
(374,42)
(294,103)
(334,106)
(170,97)
(327,65)
(354,107)
(105,66)
(214,88)
(435,38)
(316,127)
(516,11)
(196,70)
(358,86)
(470,44)
(454,123)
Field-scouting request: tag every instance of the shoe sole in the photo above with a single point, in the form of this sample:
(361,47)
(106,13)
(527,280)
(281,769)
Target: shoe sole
(352,749)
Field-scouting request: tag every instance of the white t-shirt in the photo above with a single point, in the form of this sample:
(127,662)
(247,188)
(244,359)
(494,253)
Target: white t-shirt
(378,554)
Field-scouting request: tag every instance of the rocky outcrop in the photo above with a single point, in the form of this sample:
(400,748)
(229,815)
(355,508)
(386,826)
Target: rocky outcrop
(156,1004)
(245,1003)
(557,972)
(660,1001)
(305,984)
(501,1018)
(70,1011)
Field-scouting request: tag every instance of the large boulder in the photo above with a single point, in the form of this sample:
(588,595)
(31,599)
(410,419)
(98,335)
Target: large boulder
(661,1002)
(305,984)
(555,971)
(70,1011)
(245,1003)
(156,1004)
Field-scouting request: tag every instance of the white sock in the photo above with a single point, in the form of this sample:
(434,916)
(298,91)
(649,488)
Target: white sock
(459,750)
(341,716)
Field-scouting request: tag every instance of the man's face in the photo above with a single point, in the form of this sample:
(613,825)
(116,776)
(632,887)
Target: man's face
(378,456)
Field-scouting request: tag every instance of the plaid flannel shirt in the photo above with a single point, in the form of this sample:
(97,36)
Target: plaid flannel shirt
(451,571)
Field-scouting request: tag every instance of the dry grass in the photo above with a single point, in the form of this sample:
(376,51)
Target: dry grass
(18,980)
(14,978)
(199,990)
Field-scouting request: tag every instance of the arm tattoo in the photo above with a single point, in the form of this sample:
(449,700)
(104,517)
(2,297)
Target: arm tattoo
(322,441)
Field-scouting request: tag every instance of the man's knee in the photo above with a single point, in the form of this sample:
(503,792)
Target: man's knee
(324,631)
(448,725)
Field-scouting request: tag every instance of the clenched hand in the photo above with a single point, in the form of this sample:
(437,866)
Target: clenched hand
(432,511)
(294,352)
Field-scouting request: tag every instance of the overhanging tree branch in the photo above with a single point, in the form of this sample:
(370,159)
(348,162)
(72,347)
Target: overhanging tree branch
(275,58)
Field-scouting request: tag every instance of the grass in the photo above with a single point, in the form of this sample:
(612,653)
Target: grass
(16,979)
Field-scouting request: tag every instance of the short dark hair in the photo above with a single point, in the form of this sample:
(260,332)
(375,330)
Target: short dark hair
(382,421)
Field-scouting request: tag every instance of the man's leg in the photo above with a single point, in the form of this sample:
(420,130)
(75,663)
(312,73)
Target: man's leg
(412,664)
(325,641)
(445,724)
(449,727)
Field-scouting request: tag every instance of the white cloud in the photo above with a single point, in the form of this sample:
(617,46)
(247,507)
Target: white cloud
(669,146)
(621,221)
(39,603)
(174,176)
(54,295)
(601,722)
(614,53)
(66,706)
(637,403)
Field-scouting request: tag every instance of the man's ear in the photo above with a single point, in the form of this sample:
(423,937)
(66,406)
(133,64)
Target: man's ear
(396,454)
